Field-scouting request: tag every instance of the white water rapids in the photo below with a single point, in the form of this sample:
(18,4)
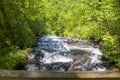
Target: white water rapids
(59,54)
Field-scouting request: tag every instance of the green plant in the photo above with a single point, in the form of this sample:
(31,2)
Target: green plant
(12,60)
(111,48)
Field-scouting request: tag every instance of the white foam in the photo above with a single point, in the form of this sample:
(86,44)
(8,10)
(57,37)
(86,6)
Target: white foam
(93,50)
(99,69)
(56,58)
(58,44)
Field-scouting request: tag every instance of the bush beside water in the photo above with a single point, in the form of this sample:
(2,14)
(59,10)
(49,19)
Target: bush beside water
(21,21)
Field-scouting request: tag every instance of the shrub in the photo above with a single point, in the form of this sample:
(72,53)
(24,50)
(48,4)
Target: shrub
(111,49)
(13,60)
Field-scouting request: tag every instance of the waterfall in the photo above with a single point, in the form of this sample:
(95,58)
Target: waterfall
(59,54)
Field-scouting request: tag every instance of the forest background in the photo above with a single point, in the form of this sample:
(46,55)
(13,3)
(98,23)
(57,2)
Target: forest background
(21,21)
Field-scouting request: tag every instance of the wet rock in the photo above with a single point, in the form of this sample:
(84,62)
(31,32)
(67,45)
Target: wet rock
(65,54)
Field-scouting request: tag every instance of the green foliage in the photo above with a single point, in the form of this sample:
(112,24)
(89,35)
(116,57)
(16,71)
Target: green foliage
(12,59)
(111,48)
(22,20)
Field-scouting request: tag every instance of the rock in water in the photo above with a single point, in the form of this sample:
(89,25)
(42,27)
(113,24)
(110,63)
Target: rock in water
(59,54)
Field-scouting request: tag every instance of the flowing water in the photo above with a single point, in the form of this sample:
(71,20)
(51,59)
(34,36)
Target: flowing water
(59,54)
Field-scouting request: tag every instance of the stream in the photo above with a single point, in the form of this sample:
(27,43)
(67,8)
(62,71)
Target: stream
(58,54)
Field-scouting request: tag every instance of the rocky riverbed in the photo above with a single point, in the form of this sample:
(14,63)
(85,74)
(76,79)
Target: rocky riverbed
(60,54)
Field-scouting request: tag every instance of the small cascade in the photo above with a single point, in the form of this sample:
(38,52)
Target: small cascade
(59,54)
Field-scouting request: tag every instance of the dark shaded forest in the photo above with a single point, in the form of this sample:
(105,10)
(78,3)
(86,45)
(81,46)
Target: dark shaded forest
(22,20)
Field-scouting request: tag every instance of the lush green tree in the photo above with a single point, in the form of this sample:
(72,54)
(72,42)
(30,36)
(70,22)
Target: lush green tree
(22,20)
(17,19)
